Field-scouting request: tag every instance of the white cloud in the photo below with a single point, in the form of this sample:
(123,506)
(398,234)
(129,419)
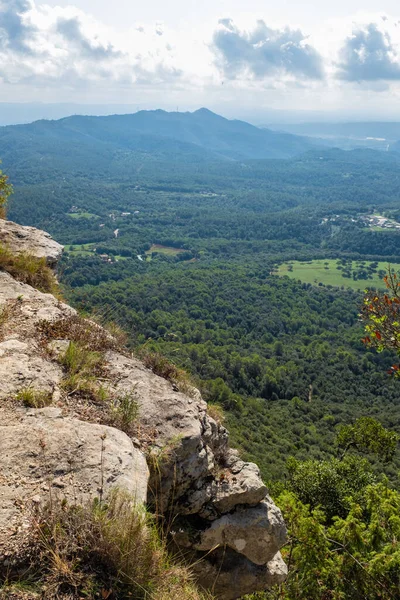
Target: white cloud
(264,52)
(370,54)
(46,45)
(62,53)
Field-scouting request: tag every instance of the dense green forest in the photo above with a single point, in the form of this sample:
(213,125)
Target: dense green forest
(182,252)
(177,233)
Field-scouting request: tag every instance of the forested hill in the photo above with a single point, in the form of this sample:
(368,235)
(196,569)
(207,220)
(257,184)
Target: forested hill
(185,136)
(187,252)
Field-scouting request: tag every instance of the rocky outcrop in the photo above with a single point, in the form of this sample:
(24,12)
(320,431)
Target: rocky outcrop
(256,532)
(229,575)
(218,504)
(43,452)
(18,238)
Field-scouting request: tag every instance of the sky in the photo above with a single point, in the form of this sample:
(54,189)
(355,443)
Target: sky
(237,58)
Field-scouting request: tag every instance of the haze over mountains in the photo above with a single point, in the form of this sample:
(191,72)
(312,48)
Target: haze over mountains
(198,135)
(185,136)
(378,135)
(17,113)
(118,145)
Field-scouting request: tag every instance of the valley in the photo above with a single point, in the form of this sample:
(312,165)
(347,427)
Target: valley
(216,230)
(236,260)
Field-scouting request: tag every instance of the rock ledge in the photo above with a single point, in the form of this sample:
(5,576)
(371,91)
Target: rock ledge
(19,238)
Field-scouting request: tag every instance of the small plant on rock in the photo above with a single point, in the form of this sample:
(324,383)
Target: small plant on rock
(162,366)
(6,312)
(29,269)
(83,368)
(216,412)
(125,411)
(84,332)
(34,398)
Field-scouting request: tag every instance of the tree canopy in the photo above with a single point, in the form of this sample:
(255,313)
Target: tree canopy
(5,192)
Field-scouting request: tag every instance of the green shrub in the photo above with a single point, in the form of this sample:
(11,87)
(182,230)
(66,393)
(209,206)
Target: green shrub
(125,411)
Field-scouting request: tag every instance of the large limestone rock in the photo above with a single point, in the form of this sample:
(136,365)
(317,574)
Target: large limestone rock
(30,240)
(257,533)
(231,576)
(22,361)
(217,502)
(45,455)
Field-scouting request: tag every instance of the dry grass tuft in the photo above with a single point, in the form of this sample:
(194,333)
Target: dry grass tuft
(85,364)
(6,312)
(83,331)
(84,367)
(29,269)
(34,398)
(120,336)
(160,365)
(216,412)
(18,591)
(84,359)
(104,551)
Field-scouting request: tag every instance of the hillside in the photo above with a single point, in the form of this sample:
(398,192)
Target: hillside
(83,422)
(201,135)
(186,257)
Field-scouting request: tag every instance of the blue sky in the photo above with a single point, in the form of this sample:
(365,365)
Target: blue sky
(230,55)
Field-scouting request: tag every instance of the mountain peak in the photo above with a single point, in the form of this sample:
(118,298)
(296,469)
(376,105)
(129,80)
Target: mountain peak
(207,113)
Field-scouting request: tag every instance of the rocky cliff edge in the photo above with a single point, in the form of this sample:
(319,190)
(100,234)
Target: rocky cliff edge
(176,457)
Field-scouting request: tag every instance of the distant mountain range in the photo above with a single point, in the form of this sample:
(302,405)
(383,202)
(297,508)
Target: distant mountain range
(200,135)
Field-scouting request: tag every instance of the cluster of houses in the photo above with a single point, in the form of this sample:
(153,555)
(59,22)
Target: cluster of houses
(380,221)
(368,220)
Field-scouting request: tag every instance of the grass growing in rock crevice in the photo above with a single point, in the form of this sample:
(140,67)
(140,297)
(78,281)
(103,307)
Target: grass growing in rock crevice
(83,331)
(216,412)
(108,551)
(124,411)
(83,369)
(33,398)
(29,269)
(163,367)
(7,311)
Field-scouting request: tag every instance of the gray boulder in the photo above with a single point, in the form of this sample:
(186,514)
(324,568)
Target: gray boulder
(45,456)
(257,533)
(230,576)
(30,240)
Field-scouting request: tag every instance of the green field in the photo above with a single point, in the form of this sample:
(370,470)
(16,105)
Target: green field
(326,271)
(83,215)
(80,249)
(167,250)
